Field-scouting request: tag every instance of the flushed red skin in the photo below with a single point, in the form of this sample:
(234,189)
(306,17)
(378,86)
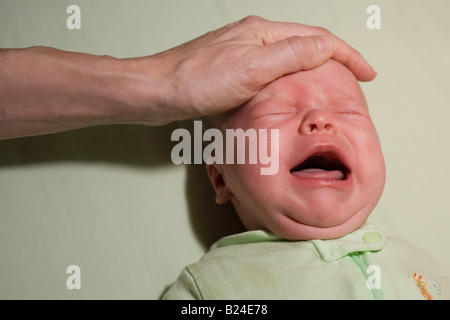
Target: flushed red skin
(321,110)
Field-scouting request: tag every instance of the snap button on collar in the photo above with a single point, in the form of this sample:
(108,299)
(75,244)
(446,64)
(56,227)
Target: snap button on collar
(371,237)
(361,240)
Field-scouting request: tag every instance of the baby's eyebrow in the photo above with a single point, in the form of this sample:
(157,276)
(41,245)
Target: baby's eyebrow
(281,100)
(345,98)
(276,96)
(271,95)
(272,105)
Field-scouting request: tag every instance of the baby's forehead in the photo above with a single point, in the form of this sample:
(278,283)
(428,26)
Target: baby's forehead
(332,82)
(329,83)
(332,78)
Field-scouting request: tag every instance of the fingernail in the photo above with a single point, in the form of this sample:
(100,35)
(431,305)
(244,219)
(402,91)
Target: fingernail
(326,43)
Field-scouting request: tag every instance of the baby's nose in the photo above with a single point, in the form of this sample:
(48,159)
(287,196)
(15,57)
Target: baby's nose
(318,121)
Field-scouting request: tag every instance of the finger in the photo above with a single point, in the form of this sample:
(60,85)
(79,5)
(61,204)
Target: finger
(354,61)
(345,54)
(294,54)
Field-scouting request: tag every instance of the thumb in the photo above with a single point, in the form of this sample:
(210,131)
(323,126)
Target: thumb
(296,53)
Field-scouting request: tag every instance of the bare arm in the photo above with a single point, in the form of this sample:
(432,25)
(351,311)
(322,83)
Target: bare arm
(45,90)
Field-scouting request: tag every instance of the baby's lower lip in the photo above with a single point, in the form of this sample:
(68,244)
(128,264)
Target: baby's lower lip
(320,177)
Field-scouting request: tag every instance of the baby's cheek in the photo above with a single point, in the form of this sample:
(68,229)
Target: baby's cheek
(372,173)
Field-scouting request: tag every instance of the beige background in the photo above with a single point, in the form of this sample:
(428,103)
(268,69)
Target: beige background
(109,200)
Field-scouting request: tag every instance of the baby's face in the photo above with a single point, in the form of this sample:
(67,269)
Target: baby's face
(331,168)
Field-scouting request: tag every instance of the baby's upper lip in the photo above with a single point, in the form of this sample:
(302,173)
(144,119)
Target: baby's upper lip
(328,150)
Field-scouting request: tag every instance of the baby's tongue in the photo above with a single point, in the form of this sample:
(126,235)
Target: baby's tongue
(316,173)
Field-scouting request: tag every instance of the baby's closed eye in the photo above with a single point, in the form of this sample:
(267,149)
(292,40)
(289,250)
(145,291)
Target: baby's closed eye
(352,112)
(274,111)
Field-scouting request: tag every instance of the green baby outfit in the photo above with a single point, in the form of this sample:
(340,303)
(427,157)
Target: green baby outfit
(361,265)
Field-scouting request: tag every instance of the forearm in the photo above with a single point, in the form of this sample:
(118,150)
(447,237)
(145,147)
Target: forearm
(45,90)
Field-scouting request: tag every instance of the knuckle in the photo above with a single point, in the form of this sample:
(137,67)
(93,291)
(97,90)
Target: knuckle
(253,21)
(258,27)
(296,46)
(303,50)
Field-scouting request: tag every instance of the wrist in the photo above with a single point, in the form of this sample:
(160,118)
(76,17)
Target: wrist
(150,82)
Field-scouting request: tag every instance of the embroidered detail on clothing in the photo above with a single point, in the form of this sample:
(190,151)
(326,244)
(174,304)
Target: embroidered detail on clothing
(422,285)
(437,288)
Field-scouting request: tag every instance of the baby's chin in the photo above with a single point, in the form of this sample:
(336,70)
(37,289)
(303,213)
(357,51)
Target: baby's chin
(290,229)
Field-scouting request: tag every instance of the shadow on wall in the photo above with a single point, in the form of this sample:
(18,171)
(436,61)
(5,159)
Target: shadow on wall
(129,145)
(118,144)
(209,220)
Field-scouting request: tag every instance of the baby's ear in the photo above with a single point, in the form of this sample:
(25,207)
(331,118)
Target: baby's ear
(223,194)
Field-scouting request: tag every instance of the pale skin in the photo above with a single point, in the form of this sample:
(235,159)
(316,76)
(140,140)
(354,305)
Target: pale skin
(45,90)
(317,112)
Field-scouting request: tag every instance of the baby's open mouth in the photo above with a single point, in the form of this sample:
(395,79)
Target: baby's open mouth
(321,166)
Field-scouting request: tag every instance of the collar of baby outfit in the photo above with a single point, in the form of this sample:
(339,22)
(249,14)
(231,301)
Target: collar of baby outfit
(365,239)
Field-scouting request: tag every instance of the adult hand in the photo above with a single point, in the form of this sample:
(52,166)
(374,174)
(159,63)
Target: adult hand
(45,90)
(226,67)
